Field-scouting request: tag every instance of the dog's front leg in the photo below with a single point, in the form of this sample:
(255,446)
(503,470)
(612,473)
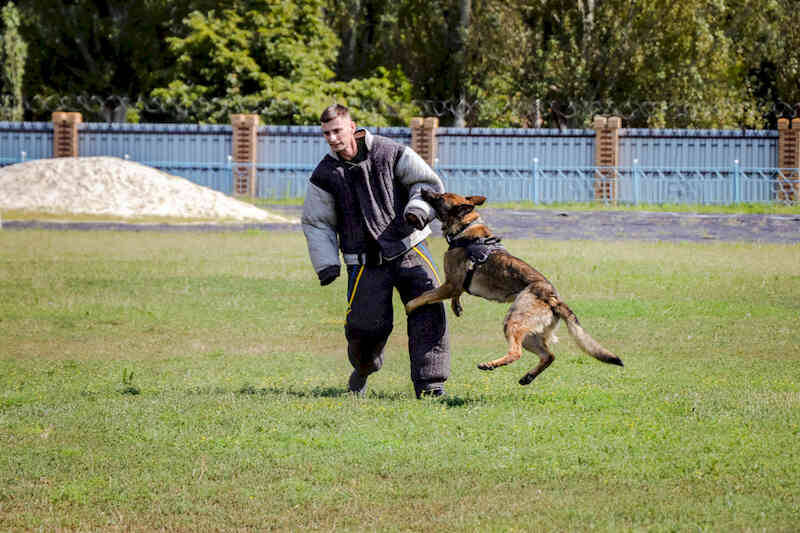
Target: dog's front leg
(443,292)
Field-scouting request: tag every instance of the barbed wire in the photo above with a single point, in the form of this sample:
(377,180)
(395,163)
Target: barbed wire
(533,112)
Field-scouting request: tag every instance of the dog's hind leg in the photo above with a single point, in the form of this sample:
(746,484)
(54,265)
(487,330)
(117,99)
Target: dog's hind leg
(514,334)
(528,316)
(537,343)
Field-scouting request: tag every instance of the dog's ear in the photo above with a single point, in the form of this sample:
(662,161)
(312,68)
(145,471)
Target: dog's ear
(476,200)
(461,210)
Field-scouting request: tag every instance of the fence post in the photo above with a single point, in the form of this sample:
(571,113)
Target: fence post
(788,160)
(65,133)
(423,137)
(736,193)
(245,151)
(535,180)
(606,157)
(636,183)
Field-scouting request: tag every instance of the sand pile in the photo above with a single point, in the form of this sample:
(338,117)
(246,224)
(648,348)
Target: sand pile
(116,187)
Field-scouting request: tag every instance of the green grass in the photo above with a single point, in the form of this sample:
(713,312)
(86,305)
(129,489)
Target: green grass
(193,382)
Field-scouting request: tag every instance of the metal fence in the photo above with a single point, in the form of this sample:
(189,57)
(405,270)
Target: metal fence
(626,185)
(506,165)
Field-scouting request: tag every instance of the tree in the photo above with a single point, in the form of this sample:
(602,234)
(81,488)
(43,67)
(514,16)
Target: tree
(99,57)
(767,35)
(441,45)
(655,63)
(273,58)
(13,53)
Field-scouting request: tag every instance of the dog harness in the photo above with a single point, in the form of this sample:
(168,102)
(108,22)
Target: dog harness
(478,252)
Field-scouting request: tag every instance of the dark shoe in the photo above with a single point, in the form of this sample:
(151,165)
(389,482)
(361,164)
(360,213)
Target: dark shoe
(357,383)
(431,393)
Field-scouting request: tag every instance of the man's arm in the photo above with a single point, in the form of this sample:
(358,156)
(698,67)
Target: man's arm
(415,174)
(319,226)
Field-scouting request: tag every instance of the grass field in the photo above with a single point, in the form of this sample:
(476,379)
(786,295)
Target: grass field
(165,381)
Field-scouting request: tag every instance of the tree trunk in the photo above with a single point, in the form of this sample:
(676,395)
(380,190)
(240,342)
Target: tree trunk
(347,57)
(459,38)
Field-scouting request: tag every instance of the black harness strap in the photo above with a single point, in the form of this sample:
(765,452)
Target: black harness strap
(478,252)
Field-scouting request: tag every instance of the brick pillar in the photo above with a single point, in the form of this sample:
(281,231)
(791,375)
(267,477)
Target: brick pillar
(245,151)
(65,133)
(423,137)
(606,155)
(788,160)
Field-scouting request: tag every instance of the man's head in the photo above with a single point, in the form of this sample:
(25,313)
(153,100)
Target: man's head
(339,129)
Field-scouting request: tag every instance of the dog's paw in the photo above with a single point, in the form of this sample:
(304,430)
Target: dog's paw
(457,309)
(485,366)
(526,379)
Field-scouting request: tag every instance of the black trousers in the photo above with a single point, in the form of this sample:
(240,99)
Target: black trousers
(370,318)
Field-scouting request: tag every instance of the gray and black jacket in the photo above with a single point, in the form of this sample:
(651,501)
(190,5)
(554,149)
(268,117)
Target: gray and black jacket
(353,207)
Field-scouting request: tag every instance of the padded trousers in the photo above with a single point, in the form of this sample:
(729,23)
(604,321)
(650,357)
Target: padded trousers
(370,318)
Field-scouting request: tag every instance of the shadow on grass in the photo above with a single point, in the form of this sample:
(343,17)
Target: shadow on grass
(337,392)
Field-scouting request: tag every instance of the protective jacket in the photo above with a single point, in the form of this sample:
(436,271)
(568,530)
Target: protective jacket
(361,208)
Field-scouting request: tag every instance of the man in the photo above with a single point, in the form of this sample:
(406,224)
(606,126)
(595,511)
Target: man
(364,197)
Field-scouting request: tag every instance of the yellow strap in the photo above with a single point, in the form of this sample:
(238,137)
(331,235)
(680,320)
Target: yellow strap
(425,257)
(355,288)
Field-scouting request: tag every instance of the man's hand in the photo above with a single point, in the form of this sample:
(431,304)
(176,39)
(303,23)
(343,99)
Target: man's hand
(414,221)
(328,274)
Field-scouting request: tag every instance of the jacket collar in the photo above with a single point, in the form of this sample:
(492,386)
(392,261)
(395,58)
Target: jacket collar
(359,134)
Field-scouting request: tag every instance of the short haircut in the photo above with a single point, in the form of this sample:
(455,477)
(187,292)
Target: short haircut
(333,111)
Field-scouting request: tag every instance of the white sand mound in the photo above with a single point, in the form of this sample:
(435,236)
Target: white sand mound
(116,187)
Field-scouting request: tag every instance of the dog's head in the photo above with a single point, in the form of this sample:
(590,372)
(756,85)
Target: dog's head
(451,208)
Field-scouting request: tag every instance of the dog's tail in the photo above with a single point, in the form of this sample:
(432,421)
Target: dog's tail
(583,339)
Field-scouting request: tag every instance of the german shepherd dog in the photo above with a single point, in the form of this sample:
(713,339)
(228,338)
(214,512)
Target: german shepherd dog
(478,264)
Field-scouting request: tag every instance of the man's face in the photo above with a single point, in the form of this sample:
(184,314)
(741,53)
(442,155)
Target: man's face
(339,134)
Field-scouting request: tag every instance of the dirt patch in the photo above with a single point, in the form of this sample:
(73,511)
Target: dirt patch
(630,225)
(541,224)
(114,187)
(645,226)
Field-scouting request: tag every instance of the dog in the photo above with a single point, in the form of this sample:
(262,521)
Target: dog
(477,263)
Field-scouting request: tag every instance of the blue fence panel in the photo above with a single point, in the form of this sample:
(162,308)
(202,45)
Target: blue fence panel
(401,135)
(35,139)
(282,181)
(721,185)
(196,152)
(217,176)
(513,147)
(655,166)
(516,184)
(633,185)
(698,148)
(566,184)
(498,184)
(291,145)
(157,142)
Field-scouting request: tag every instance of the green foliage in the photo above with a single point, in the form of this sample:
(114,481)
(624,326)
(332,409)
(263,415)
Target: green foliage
(661,64)
(272,58)
(557,64)
(551,63)
(98,57)
(13,55)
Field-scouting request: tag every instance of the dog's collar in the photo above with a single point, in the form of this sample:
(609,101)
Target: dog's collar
(450,237)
